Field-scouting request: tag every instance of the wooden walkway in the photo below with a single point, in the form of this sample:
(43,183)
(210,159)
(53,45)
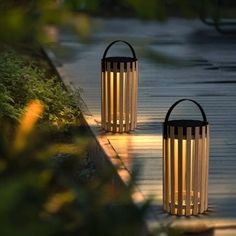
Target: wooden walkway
(177,59)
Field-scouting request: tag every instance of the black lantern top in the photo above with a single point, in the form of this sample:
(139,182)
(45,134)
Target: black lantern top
(119,59)
(184,123)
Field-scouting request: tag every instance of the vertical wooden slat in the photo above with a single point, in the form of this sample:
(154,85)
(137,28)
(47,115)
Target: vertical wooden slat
(163,173)
(115,97)
(130,96)
(124,99)
(133,97)
(172,155)
(106,101)
(109,95)
(180,170)
(203,166)
(195,176)
(127,102)
(102,100)
(207,166)
(136,94)
(188,169)
(199,170)
(169,172)
(121,96)
(192,168)
(166,168)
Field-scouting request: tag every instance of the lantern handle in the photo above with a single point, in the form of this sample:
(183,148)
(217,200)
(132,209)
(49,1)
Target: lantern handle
(181,100)
(108,47)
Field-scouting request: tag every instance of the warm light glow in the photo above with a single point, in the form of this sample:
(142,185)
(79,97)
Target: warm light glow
(119,97)
(185,176)
(125,144)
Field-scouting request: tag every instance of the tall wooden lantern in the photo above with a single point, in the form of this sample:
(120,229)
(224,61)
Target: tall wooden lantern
(119,91)
(185,164)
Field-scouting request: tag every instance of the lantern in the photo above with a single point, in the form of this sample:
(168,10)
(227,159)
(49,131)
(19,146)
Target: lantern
(119,91)
(185,164)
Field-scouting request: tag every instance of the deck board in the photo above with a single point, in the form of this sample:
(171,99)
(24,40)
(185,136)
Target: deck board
(209,78)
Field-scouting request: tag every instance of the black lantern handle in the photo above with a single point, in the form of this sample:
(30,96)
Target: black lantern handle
(108,47)
(181,100)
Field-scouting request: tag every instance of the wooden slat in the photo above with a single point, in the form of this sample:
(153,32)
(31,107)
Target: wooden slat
(165,172)
(115,97)
(106,101)
(207,166)
(172,151)
(130,97)
(164,148)
(203,172)
(188,169)
(169,173)
(109,94)
(127,102)
(199,170)
(102,99)
(180,170)
(133,97)
(196,174)
(136,93)
(121,96)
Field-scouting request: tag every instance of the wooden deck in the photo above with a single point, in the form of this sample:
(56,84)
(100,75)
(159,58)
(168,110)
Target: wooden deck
(177,59)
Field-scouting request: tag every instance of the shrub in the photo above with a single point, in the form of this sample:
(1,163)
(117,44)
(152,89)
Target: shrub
(22,79)
(43,193)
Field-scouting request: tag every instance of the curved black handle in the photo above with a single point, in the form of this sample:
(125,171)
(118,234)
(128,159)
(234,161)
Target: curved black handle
(181,100)
(108,47)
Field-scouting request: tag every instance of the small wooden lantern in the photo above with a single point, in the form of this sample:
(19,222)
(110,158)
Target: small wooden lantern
(119,92)
(185,164)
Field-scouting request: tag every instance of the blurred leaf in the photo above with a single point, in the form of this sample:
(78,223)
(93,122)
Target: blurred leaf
(151,9)
(81,23)
(32,113)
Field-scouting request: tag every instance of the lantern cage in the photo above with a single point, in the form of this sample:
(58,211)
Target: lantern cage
(119,91)
(185,164)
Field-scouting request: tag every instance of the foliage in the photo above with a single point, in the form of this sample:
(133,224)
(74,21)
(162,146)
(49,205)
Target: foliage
(22,79)
(152,9)
(6,104)
(34,20)
(85,5)
(44,190)
(26,20)
(161,9)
